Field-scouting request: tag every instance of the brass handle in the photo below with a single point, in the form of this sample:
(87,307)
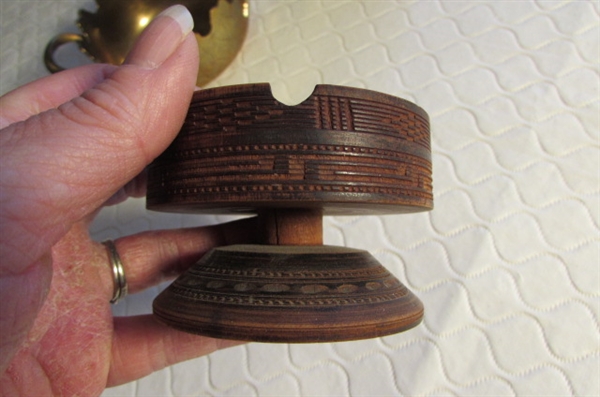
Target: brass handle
(54,44)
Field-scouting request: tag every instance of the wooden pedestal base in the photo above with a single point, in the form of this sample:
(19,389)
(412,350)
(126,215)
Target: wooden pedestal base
(288,294)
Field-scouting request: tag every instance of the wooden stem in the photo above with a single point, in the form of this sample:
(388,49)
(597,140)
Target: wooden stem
(284,226)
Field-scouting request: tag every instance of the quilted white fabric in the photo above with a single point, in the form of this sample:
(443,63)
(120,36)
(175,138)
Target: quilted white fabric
(508,262)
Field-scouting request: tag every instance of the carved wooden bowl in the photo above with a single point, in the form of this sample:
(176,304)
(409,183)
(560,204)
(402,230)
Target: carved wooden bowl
(343,151)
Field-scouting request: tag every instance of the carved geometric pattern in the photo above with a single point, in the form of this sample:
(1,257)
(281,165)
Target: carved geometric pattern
(343,148)
(288,293)
(320,286)
(254,301)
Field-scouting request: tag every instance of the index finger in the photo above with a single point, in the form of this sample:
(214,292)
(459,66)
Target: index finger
(152,257)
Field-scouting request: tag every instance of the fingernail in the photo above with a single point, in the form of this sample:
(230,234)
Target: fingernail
(182,16)
(161,38)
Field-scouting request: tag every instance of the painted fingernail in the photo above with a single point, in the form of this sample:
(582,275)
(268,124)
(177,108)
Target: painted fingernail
(161,38)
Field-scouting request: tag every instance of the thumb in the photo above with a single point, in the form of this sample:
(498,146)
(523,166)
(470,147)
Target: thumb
(59,166)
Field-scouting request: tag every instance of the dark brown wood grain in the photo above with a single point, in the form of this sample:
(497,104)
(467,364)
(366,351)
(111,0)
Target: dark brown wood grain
(345,150)
(290,226)
(341,151)
(288,294)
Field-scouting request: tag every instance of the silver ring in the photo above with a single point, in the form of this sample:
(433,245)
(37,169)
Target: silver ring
(119,281)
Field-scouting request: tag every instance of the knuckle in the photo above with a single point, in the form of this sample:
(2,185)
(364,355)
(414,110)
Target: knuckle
(102,107)
(109,110)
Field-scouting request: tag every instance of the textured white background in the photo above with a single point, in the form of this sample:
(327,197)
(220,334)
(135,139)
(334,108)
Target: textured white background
(508,263)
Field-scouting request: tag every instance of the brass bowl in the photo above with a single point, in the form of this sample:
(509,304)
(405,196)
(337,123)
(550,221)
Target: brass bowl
(108,35)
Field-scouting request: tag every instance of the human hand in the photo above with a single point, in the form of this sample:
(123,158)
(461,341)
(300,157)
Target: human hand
(70,143)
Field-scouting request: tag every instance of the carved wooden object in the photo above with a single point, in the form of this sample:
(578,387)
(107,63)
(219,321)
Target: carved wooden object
(343,151)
